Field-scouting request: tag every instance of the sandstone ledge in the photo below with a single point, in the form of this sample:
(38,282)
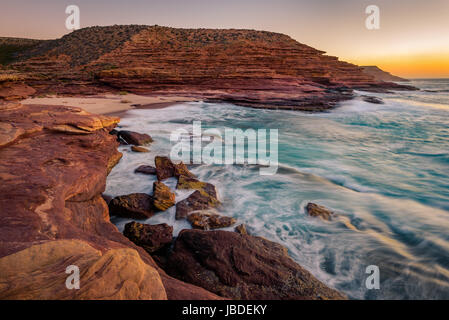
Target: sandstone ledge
(54,161)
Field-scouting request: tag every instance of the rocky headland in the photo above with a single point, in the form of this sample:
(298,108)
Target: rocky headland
(246,67)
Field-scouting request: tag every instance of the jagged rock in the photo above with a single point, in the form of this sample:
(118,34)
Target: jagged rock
(196,201)
(240,266)
(145,170)
(207,221)
(134,206)
(139,149)
(315,210)
(163,197)
(135,138)
(205,188)
(150,237)
(164,168)
(241,228)
(181,170)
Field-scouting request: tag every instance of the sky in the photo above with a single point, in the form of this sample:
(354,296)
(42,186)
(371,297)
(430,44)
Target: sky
(412,41)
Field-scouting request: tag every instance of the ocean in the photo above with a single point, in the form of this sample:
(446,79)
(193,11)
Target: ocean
(382,168)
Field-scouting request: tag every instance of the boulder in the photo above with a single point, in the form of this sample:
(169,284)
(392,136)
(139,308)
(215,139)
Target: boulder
(164,168)
(145,170)
(241,228)
(181,170)
(139,149)
(152,238)
(163,198)
(196,201)
(134,206)
(135,138)
(207,221)
(315,210)
(240,266)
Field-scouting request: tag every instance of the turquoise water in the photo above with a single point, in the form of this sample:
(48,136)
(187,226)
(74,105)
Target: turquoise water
(384,169)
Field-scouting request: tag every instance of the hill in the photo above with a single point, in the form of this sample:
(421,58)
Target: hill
(251,68)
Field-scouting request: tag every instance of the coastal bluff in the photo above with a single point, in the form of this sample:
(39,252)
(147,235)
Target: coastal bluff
(250,68)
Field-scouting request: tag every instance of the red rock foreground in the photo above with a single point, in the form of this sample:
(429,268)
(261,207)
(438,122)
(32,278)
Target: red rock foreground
(53,167)
(239,266)
(250,68)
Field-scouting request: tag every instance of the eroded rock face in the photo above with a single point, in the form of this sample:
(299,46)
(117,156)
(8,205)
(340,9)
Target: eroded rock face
(316,210)
(240,266)
(150,237)
(208,221)
(163,197)
(241,228)
(15,91)
(134,206)
(53,215)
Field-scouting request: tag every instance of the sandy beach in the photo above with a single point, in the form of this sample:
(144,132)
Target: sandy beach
(110,104)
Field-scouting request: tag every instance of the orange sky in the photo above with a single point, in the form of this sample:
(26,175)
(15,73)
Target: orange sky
(413,39)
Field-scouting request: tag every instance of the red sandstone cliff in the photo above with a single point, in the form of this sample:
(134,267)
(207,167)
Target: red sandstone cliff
(247,67)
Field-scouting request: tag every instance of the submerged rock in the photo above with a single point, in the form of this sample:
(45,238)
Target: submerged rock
(372,99)
(240,266)
(135,138)
(163,197)
(145,170)
(152,238)
(134,206)
(207,221)
(315,210)
(139,149)
(164,168)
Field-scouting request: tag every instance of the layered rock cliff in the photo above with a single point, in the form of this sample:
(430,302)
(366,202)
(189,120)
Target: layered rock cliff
(381,75)
(247,67)
(53,169)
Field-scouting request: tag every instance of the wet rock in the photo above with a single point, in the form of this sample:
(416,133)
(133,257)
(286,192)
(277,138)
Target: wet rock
(181,170)
(207,221)
(134,206)
(372,99)
(145,170)
(196,201)
(241,228)
(315,210)
(139,149)
(205,188)
(163,197)
(152,238)
(240,266)
(135,138)
(164,168)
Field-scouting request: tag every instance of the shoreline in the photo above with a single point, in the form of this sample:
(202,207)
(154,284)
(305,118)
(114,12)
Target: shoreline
(110,104)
